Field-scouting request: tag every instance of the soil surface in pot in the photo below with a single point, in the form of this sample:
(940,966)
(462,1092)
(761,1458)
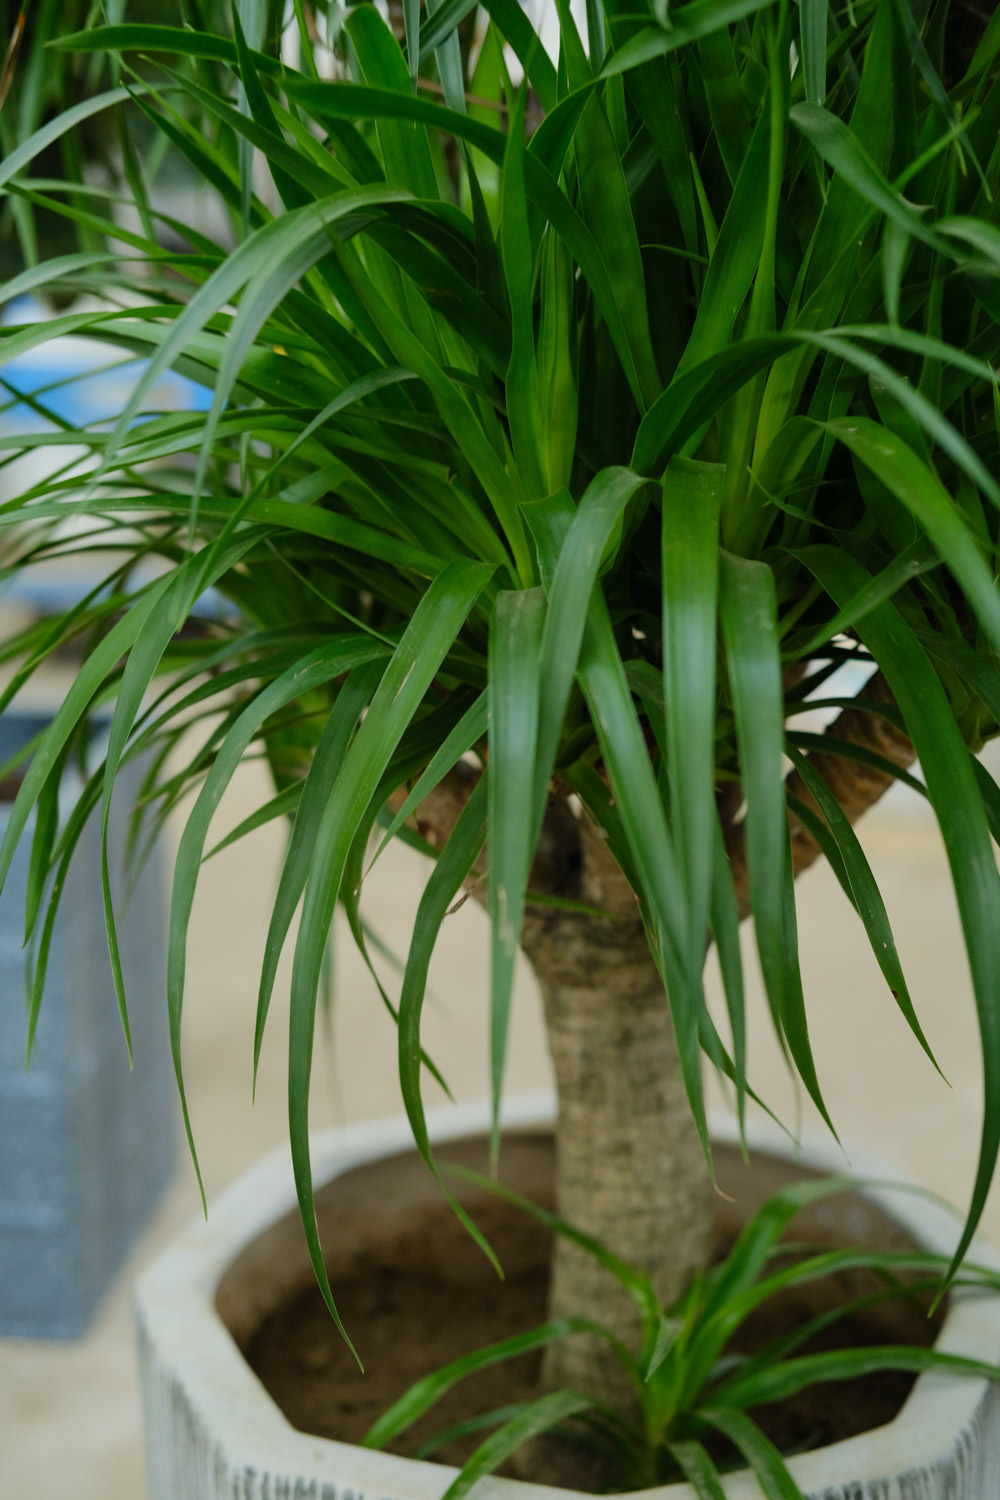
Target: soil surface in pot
(415,1292)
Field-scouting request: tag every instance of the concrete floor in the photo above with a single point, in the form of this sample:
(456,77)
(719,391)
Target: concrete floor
(69,1414)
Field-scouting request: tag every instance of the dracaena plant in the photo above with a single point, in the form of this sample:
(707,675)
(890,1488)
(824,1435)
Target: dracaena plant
(579,407)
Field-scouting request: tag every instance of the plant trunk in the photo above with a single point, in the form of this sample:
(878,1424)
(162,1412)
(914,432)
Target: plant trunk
(630,1169)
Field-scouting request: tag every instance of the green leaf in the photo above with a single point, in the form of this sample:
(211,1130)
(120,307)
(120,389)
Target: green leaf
(88,681)
(918,488)
(511,20)
(692,496)
(937,427)
(557,386)
(319,667)
(608,214)
(314,794)
(34,277)
(166,616)
(633,784)
(812,30)
(64,124)
(349,101)
(441,24)
(292,191)
(736,1276)
(282,805)
(720,76)
(658,102)
(786,1378)
(760,1453)
(513,695)
(411,28)
(42,845)
(534,1419)
(523,412)
(978,672)
(448,56)
(725,920)
(424,1394)
(479,1423)
(698,1469)
(668,1330)
(844,153)
(469,731)
(958,805)
(635,1282)
(749,624)
(687,24)
(865,892)
(911,563)
(735,259)
(173,39)
(403,148)
(990,793)
(271,260)
(695,394)
(890,1265)
(571,544)
(68,841)
(831,744)
(453,867)
(429,635)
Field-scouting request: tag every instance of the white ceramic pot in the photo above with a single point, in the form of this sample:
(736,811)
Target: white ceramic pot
(213,1432)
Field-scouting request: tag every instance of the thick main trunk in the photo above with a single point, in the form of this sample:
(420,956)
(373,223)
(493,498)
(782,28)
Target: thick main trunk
(630,1170)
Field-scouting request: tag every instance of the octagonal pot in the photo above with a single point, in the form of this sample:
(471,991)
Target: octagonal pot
(214,1433)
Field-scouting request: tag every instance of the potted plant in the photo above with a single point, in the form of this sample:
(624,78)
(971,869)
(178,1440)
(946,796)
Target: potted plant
(576,417)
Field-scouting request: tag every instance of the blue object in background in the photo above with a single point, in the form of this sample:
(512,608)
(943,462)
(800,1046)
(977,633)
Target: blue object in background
(81,381)
(70,388)
(86,1145)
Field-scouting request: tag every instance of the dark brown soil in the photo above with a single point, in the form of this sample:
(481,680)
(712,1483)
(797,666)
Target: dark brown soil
(415,1292)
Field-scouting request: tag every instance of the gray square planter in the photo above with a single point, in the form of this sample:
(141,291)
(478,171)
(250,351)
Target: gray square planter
(86,1146)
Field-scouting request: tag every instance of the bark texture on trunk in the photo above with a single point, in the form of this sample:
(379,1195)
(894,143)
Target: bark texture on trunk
(630,1169)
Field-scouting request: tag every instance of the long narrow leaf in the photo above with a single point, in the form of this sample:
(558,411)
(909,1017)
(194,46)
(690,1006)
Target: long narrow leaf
(324,664)
(538,1417)
(421,1396)
(692,496)
(513,695)
(422,648)
(749,622)
(955,797)
(763,1457)
(867,896)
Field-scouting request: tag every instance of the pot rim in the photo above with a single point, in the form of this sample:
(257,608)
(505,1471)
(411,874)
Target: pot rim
(176,1314)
